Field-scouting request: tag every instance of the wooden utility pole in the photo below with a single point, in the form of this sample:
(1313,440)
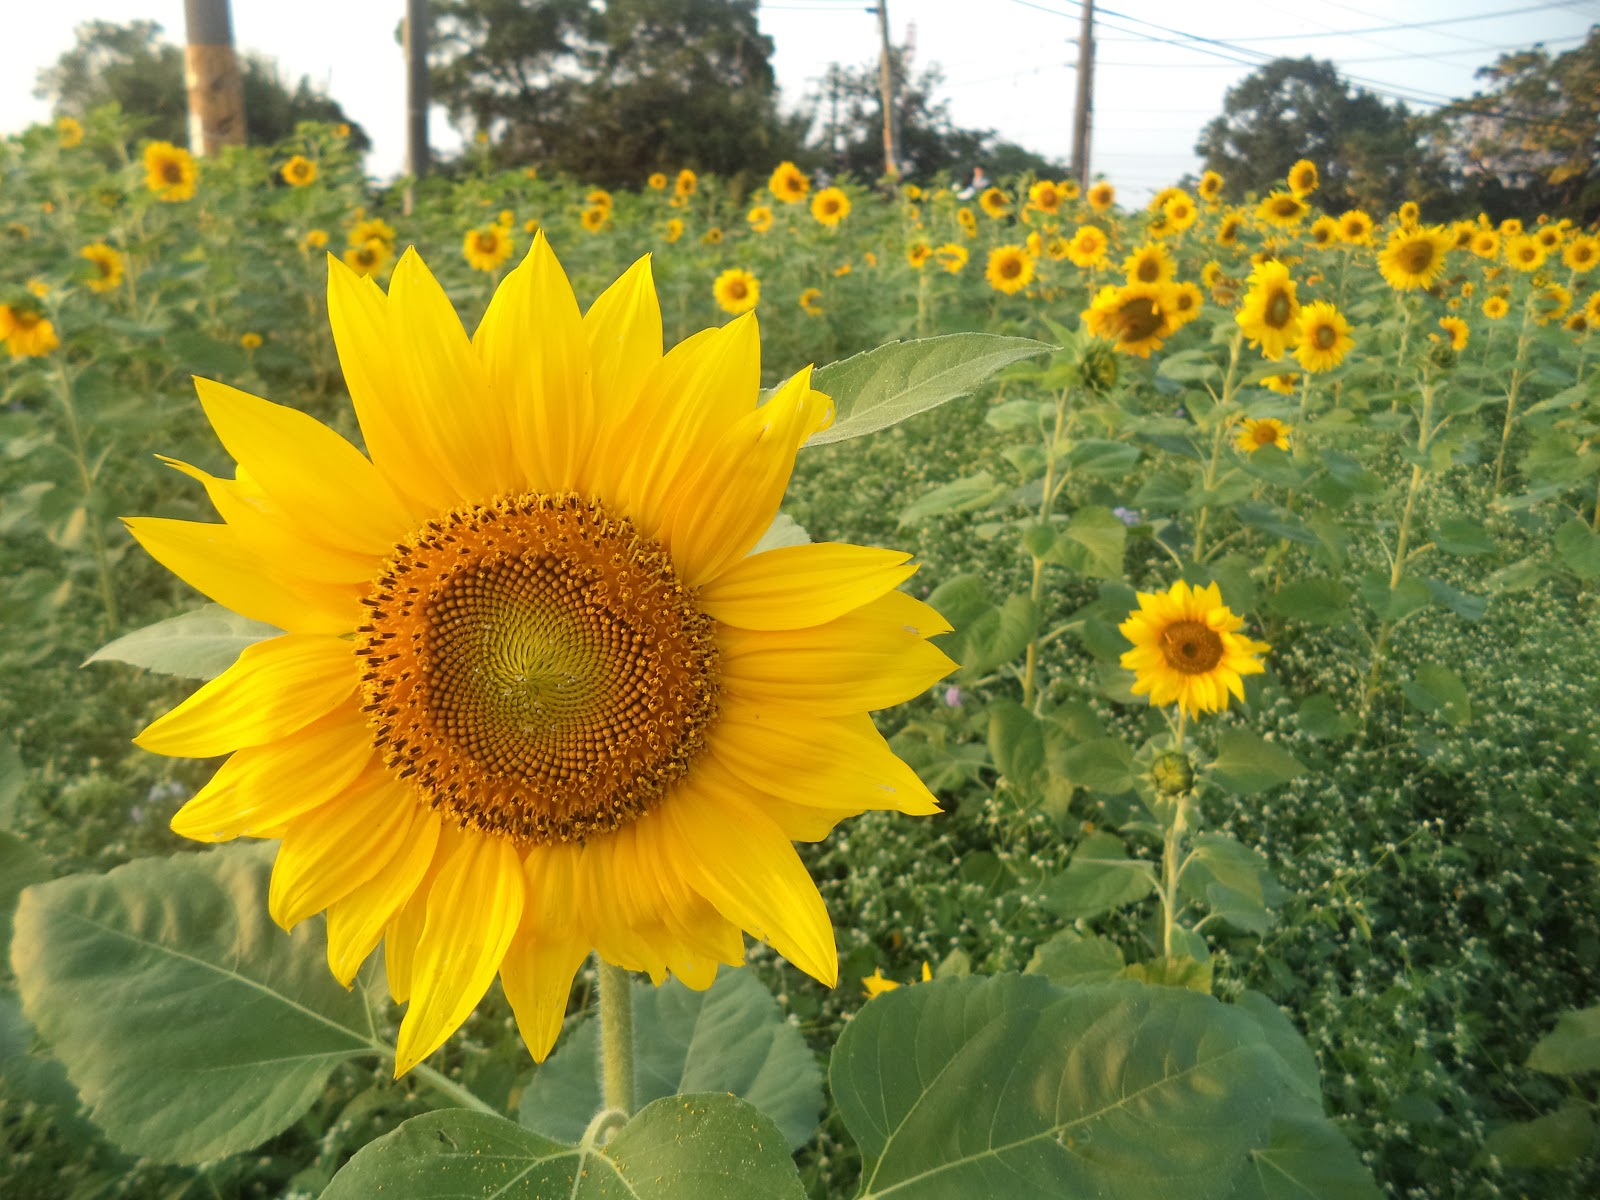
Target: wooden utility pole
(416,95)
(1085,107)
(211,77)
(891,161)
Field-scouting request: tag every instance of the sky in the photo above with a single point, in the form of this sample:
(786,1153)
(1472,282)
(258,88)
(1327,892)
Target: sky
(1162,66)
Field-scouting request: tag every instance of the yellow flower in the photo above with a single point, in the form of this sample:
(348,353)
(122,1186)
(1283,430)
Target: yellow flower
(1101,196)
(674,229)
(485,249)
(1045,196)
(1458,331)
(1270,314)
(870,259)
(1186,648)
(912,192)
(368,258)
(1134,318)
(968,221)
(1409,214)
(736,290)
(1302,179)
(1548,236)
(531,225)
(315,239)
(952,257)
(1414,255)
(686,184)
(830,206)
(299,171)
(994,203)
(1510,227)
(107,266)
(1551,303)
(373,227)
(1056,248)
(1069,189)
(1150,263)
(876,985)
(1324,231)
(918,253)
(1524,252)
(1088,247)
(1009,270)
(759,218)
(657,182)
(811,301)
(26,331)
(69,130)
(598,198)
(712,236)
(1485,243)
(1581,253)
(342,130)
(38,288)
(1211,274)
(1253,434)
(594,219)
(1184,302)
(1180,213)
(1228,228)
(1324,337)
(1495,307)
(250,340)
(1284,383)
(1284,209)
(789,183)
(536,698)
(842,270)
(169,171)
(1210,188)
(1355,227)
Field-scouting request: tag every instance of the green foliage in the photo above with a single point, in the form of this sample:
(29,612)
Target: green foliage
(194,645)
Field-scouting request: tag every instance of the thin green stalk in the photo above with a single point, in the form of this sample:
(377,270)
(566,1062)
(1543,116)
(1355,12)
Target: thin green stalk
(1511,393)
(1171,868)
(80,457)
(1030,667)
(443,1083)
(1220,416)
(616,1037)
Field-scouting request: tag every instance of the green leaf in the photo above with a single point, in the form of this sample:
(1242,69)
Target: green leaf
(192,1025)
(1463,538)
(1558,1139)
(1016,742)
(1232,880)
(1398,602)
(1306,1158)
(730,1038)
(882,387)
(1010,1086)
(1463,604)
(702,1147)
(1316,600)
(1102,765)
(1070,959)
(1572,1047)
(1101,459)
(961,600)
(1320,718)
(194,645)
(13,778)
(964,495)
(1579,548)
(20,866)
(1017,414)
(1100,877)
(1440,692)
(784,531)
(1246,764)
(1092,544)
(997,637)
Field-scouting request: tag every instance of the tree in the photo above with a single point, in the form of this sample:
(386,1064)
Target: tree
(613,92)
(1531,142)
(1369,154)
(131,66)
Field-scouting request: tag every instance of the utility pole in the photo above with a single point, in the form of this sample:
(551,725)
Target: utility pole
(416,96)
(891,162)
(1085,107)
(211,77)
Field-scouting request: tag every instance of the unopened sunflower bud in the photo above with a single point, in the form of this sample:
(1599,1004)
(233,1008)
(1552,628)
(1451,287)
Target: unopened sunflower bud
(1173,773)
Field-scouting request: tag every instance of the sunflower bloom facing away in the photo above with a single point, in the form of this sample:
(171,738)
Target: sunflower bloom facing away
(169,171)
(1186,648)
(535,697)
(736,290)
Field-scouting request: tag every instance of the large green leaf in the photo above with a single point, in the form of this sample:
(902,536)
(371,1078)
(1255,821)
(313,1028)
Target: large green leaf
(730,1038)
(703,1147)
(1246,763)
(1010,1086)
(20,866)
(1099,877)
(882,387)
(963,495)
(1572,1047)
(194,645)
(192,1025)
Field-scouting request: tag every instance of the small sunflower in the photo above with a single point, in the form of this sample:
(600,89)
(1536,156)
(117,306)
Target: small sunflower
(1302,178)
(250,340)
(657,182)
(952,257)
(1458,331)
(1284,383)
(789,183)
(1324,337)
(1228,228)
(811,301)
(1549,236)
(26,331)
(1495,307)
(830,206)
(368,258)
(169,171)
(1524,252)
(1150,263)
(918,253)
(1009,270)
(686,184)
(1045,196)
(1591,311)
(1270,314)
(1409,214)
(994,203)
(1551,303)
(1186,648)
(759,218)
(674,230)
(299,171)
(968,220)
(1184,301)
(1414,256)
(1255,435)
(712,236)
(1485,243)
(315,239)
(69,130)
(1283,209)
(736,290)
(369,228)
(1355,227)
(1134,318)
(485,249)
(1324,231)
(1581,253)
(107,266)
(1069,189)
(594,218)
(1210,187)
(1180,213)
(1101,196)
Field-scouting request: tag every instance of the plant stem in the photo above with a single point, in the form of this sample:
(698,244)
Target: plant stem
(616,1037)
(80,456)
(1220,416)
(443,1083)
(1511,393)
(1036,591)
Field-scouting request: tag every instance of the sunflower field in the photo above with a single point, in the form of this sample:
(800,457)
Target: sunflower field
(440,644)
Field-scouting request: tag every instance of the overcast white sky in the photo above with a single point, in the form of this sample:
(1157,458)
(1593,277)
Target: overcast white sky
(1008,64)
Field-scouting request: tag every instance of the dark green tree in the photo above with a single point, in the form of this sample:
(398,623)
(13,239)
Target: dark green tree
(1369,153)
(132,66)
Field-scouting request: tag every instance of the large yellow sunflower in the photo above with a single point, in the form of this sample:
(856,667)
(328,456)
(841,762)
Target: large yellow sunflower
(789,183)
(830,206)
(1134,318)
(1582,253)
(169,171)
(1284,209)
(1101,196)
(1270,314)
(535,695)
(1186,649)
(1414,255)
(1150,263)
(1324,337)
(1524,252)
(1009,269)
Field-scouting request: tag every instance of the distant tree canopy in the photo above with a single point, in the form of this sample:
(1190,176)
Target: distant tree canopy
(132,66)
(1369,154)
(1531,142)
(611,93)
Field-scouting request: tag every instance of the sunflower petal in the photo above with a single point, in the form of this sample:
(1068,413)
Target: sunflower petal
(356,922)
(549,947)
(795,587)
(623,329)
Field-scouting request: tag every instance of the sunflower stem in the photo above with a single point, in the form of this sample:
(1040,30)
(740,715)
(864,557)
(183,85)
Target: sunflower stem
(441,1082)
(80,458)
(616,1037)
(1036,591)
(1511,392)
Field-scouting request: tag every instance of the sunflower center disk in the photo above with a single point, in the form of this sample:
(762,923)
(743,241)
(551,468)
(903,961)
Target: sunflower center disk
(537,668)
(1191,647)
(1417,257)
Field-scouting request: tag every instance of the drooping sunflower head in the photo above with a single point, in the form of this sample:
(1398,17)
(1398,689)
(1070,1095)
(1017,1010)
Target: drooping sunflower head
(1210,187)
(107,264)
(1134,318)
(1187,649)
(1088,247)
(1414,256)
(1255,434)
(169,171)
(789,183)
(486,248)
(299,171)
(1582,253)
(1458,330)
(1009,270)
(1355,227)
(830,206)
(1045,196)
(736,290)
(1101,196)
(1283,209)
(1302,178)
(759,218)
(1150,263)
(1324,338)
(1270,314)
(994,202)
(538,695)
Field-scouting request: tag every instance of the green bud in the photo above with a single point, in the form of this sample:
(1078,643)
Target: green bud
(1173,773)
(1097,366)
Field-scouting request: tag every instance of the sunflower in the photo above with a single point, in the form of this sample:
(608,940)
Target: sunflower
(299,171)
(169,171)
(1134,318)
(1355,227)
(1302,178)
(1270,314)
(811,301)
(1409,214)
(674,230)
(250,340)
(1009,270)
(994,203)
(1495,307)
(657,182)
(1591,311)
(1180,213)
(1210,187)
(1324,231)
(1045,196)
(1551,303)
(1253,435)
(1458,331)
(1485,243)
(1324,337)
(1548,236)
(1088,247)
(1283,209)
(1184,303)
(485,249)
(736,290)
(1228,228)
(1101,196)
(1284,383)
(686,184)
(1069,189)
(535,696)
(315,239)
(830,206)
(1463,232)
(1150,263)
(1056,248)
(759,218)
(712,236)
(69,130)
(26,331)
(968,220)
(1581,253)
(1211,273)
(107,266)
(789,183)
(918,253)
(1186,649)
(594,219)
(369,258)
(1510,227)
(1414,255)
(1579,322)
(952,257)
(1524,252)
(372,227)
